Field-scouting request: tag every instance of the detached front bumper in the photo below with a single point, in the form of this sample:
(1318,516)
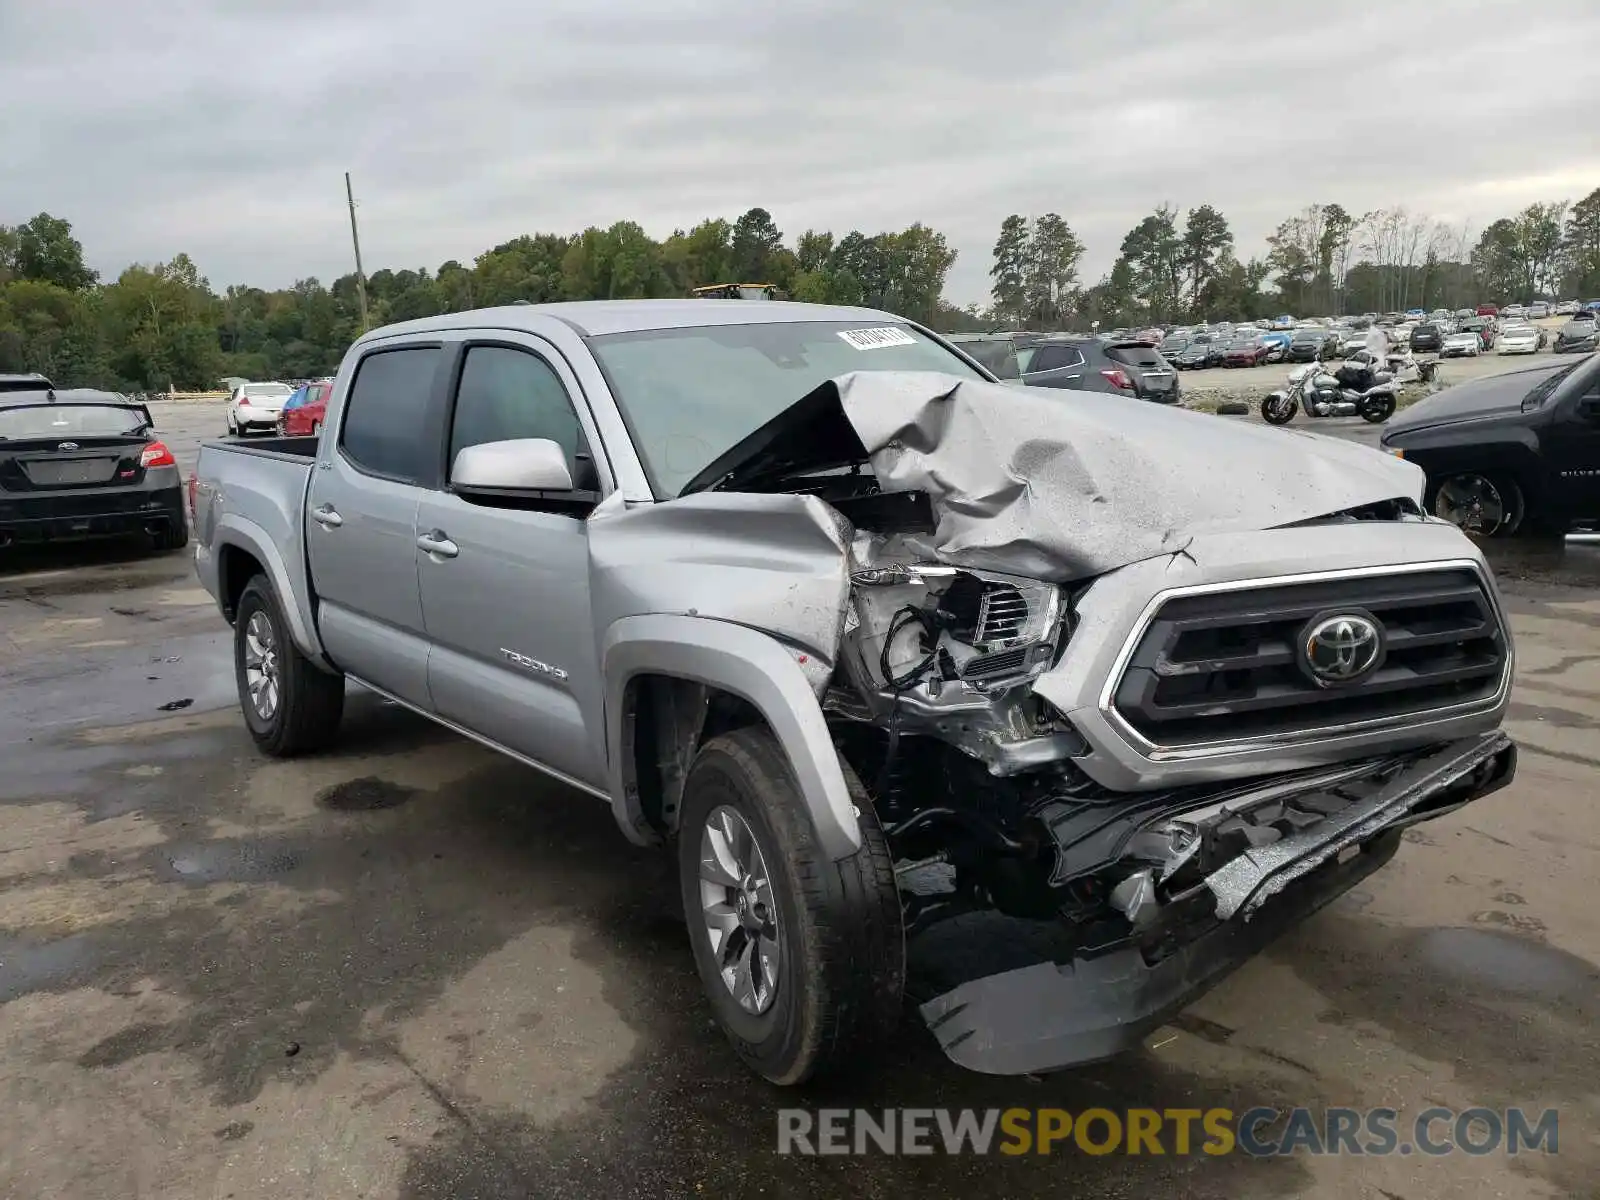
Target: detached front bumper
(1053,1014)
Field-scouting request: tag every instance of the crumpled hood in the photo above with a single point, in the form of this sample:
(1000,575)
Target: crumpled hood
(1063,486)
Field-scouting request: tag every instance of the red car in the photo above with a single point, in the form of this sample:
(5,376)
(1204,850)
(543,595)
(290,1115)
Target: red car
(1250,353)
(1488,310)
(303,412)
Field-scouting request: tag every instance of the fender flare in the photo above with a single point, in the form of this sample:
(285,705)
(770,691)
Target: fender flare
(751,665)
(293,602)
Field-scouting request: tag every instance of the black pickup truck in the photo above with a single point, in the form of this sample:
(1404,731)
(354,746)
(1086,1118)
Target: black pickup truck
(1514,453)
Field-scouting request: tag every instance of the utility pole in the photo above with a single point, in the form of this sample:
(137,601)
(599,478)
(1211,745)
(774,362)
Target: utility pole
(355,239)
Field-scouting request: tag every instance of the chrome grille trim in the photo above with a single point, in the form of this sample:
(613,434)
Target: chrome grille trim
(1155,752)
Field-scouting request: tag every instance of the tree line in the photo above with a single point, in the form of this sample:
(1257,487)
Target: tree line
(163,326)
(1321,261)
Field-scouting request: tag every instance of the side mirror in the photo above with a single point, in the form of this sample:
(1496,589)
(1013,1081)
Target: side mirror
(518,465)
(1589,407)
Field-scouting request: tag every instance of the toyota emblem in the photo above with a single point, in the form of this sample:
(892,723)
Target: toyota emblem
(1342,648)
(67,446)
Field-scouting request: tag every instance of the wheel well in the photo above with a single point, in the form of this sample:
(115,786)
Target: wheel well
(665,721)
(236,567)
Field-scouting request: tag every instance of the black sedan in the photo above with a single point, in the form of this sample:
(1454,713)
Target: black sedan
(1312,345)
(84,464)
(1196,355)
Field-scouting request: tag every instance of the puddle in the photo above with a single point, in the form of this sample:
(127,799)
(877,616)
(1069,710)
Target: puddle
(364,795)
(29,966)
(85,583)
(1508,963)
(228,862)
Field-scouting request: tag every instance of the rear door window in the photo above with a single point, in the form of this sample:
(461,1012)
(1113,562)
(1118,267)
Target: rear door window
(384,429)
(1055,358)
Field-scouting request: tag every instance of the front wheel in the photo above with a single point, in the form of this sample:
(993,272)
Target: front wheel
(802,958)
(1278,409)
(1483,505)
(290,705)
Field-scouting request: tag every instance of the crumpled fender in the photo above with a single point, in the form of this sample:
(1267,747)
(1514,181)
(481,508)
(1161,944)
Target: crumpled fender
(751,665)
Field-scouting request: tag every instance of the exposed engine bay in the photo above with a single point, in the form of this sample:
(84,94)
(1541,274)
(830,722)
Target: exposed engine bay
(973,778)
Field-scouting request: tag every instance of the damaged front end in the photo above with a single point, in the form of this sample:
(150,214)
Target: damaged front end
(1072,679)
(1058,920)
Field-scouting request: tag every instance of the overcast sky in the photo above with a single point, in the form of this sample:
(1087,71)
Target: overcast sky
(223,127)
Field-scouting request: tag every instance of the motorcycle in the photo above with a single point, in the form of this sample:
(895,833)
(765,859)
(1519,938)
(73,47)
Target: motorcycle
(1353,391)
(1402,365)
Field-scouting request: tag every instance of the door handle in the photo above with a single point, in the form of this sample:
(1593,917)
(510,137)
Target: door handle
(437,543)
(327,517)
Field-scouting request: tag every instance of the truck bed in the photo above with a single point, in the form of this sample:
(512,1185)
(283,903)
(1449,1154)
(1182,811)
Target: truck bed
(250,497)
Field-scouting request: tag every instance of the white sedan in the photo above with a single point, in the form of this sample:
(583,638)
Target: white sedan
(1519,339)
(256,406)
(1467,342)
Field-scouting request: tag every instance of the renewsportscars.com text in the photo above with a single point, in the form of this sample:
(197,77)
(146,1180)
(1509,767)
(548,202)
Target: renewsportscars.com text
(1258,1132)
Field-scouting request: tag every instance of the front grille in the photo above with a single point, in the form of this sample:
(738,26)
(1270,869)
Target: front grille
(1224,666)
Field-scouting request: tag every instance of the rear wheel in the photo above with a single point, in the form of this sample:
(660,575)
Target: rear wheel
(290,705)
(1482,505)
(174,537)
(1376,412)
(802,958)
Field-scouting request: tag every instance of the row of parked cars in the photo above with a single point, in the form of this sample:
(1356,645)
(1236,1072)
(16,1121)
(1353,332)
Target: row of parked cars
(276,407)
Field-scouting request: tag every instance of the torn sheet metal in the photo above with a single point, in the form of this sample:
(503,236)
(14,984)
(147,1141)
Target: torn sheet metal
(1063,486)
(775,563)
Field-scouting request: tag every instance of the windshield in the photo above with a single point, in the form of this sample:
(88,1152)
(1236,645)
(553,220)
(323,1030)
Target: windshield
(690,394)
(69,421)
(267,389)
(995,354)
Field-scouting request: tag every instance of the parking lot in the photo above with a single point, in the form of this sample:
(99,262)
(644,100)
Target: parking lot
(1266,378)
(411,968)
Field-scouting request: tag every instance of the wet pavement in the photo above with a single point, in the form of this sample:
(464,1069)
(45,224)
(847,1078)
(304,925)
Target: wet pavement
(411,969)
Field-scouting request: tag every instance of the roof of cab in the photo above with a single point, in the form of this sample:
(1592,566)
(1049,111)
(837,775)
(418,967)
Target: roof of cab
(592,318)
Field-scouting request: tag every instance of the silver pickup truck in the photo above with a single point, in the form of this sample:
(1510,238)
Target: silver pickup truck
(1042,710)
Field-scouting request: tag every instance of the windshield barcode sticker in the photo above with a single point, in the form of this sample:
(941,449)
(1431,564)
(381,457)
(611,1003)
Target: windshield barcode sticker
(877,339)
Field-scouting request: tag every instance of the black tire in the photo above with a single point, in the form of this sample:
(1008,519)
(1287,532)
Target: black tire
(840,931)
(1379,412)
(174,537)
(310,701)
(1278,410)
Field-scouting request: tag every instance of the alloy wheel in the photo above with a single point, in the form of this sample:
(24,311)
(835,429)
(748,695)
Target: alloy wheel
(261,665)
(740,913)
(1475,505)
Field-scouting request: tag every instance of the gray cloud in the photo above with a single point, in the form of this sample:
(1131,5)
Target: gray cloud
(223,128)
